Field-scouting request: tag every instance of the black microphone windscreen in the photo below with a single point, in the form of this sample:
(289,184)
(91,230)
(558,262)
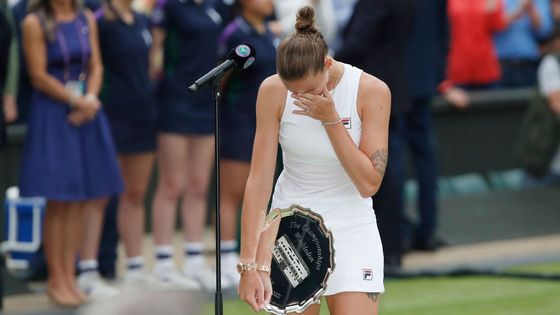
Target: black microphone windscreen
(243,56)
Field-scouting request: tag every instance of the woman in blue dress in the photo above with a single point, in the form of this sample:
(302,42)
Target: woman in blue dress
(69,156)
(238,118)
(187,32)
(127,95)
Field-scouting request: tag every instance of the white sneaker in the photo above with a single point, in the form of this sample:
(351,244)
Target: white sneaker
(142,280)
(94,287)
(205,276)
(229,271)
(175,280)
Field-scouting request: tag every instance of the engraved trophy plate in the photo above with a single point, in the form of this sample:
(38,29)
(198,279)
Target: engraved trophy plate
(303,259)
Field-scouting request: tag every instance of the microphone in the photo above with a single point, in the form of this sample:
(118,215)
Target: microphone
(240,58)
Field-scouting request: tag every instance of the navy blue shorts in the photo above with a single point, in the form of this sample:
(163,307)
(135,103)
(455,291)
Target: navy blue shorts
(134,137)
(238,133)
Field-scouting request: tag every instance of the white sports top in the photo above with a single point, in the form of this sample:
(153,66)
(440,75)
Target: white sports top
(313,176)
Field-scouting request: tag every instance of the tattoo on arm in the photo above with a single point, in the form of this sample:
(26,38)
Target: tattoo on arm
(380,161)
(373,296)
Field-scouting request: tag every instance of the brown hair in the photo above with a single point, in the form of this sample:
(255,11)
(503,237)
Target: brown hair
(303,52)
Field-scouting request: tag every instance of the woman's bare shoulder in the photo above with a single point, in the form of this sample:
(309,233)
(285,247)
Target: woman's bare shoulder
(273,86)
(272,94)
(31,22)
(373,92)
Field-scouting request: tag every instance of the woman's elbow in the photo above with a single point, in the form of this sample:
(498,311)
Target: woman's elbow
(369,190)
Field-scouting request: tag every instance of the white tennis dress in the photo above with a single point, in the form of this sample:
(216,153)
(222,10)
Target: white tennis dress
(314,178)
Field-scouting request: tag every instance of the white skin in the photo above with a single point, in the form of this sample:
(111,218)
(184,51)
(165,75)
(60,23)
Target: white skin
(65,231)
(365,164)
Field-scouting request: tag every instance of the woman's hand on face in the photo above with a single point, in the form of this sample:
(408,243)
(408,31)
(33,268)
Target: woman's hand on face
(251,290)
(320,107)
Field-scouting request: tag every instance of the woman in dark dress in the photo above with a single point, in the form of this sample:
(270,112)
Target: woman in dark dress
(69,156)
(125,41)
(187,32)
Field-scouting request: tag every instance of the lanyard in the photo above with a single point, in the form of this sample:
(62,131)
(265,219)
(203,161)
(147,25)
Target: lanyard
(66,53)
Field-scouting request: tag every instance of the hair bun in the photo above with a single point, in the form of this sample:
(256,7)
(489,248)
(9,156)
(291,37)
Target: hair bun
(305,20)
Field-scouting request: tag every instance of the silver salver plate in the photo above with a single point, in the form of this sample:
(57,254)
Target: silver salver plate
(302,259)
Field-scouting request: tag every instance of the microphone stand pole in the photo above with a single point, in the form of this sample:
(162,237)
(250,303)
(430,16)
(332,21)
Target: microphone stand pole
(218,299)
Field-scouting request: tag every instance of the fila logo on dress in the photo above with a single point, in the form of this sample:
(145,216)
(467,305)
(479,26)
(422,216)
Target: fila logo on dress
(368,274)
(347,122)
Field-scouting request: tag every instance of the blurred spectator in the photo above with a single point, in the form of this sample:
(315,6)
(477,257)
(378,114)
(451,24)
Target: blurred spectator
(549,89)
(472,60)
(69,156)
(24,84)
(368,45)
(238,117)
(518,45)
(187,32)
(286,14)
(555,8)
(425,68)
(8,68)
(107,251)
(226,8)
(547,46)
(344,10)
(25,90)
(128,99)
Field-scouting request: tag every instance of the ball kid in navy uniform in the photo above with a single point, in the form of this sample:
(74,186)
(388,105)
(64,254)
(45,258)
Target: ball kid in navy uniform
(238,119)
(127,95)
(186,34)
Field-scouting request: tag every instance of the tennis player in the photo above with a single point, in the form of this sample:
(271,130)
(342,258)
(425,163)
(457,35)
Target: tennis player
(331,120)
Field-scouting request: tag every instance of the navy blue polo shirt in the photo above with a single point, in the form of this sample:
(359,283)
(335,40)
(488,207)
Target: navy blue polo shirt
(241,88)
(191,45)
(127,93)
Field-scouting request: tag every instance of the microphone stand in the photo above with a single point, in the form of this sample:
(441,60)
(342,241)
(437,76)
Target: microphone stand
(218,298)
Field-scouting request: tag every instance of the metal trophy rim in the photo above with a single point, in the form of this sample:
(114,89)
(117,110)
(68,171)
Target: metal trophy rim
(316,298)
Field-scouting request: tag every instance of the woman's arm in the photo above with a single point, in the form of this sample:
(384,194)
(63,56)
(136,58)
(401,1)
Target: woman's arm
(156,53)
(35,51)
(12,77)
(498,8)
(95,67)
(364,164)
(263,164)
(259,185)
(541,18)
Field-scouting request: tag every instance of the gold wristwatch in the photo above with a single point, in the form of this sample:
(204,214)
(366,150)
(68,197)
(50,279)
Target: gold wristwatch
(241,267)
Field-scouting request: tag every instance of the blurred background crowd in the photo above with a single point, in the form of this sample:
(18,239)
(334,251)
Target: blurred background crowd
(102,89)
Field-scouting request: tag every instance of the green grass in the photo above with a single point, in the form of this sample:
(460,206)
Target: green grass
(459,296)
(541,268)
